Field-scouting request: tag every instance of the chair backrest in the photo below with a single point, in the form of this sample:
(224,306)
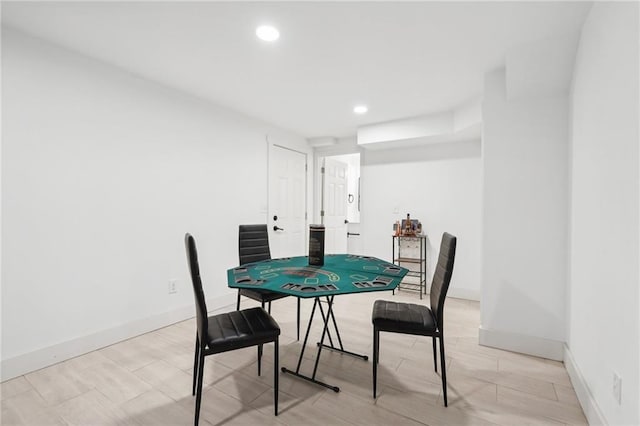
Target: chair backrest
(442,276)
(198,293)
(253,243)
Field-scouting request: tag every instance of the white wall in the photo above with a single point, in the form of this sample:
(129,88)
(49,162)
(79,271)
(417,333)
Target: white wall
(438,184)
(525,152)
(102,174)
(603,304)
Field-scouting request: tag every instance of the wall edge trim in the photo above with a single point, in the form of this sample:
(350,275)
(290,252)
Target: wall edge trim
(464,293)
(522,343)
(587,401)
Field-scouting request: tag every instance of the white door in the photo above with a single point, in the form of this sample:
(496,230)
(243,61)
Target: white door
(287,202)
(334,206)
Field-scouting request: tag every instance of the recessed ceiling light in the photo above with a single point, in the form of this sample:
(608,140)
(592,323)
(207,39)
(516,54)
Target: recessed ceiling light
(360,109)
(267,33)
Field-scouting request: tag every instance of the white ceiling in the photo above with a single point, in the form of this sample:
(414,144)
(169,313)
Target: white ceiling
(401,59)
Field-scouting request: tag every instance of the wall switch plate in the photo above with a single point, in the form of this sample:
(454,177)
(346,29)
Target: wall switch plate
(617,388)
(173,286)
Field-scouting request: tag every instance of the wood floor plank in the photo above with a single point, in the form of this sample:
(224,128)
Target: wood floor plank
(360,411)
(155,408)
(59,383)
(29,408)
(542,407)
(13,387)
(93,408)
(219,408)
(298,409)
(426,411)
(115,382)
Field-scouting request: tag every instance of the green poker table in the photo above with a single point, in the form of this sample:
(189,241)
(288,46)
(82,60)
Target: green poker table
(340,274)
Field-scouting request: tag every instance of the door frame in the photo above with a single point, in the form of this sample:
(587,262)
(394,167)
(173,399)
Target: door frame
(318,182)
(345,146)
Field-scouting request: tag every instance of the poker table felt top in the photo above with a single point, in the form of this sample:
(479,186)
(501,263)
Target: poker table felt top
(340,274)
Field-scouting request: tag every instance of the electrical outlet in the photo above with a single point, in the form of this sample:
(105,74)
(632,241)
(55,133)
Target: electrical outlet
(173,286)
(617,388)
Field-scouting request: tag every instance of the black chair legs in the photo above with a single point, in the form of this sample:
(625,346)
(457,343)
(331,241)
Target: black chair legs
(199,389)
(376,358)
(195,364)
(227,331)
(198,375)
(435,357)
(276,372)
(419,320)
(376,347)
(444,370)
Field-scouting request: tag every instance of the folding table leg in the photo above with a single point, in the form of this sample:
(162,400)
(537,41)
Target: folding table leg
(341,348)
(304,344)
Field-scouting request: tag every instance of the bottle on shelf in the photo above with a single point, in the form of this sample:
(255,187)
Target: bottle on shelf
(409,230)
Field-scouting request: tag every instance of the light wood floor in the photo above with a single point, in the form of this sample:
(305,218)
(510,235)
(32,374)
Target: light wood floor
(147,380)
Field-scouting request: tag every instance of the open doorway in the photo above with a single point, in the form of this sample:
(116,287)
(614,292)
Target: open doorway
(339,202)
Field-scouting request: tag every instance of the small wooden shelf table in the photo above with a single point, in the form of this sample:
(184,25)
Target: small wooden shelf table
(417,257)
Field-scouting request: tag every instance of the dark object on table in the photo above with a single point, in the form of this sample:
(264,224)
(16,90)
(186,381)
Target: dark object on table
(316,245)
(253,246)
(408,318)
(227,332)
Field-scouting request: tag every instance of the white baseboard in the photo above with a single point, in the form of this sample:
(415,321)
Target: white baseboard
(522,343)
(464,293)
(41,358)
(460,293)
(587,401)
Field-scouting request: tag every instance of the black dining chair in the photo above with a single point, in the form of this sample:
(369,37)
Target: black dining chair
(253,246)
(228,331)
(409,318)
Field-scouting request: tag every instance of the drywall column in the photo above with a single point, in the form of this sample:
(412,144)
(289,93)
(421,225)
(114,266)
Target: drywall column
(525,144)
(603,302)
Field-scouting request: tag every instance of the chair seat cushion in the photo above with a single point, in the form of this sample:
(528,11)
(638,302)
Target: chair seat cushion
(239,329)
(405,318)
(261,295)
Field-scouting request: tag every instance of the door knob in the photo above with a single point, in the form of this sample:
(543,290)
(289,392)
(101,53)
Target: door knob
(276,228)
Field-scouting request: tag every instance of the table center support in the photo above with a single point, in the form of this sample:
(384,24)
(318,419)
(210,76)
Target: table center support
(325,332)
(330,346)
